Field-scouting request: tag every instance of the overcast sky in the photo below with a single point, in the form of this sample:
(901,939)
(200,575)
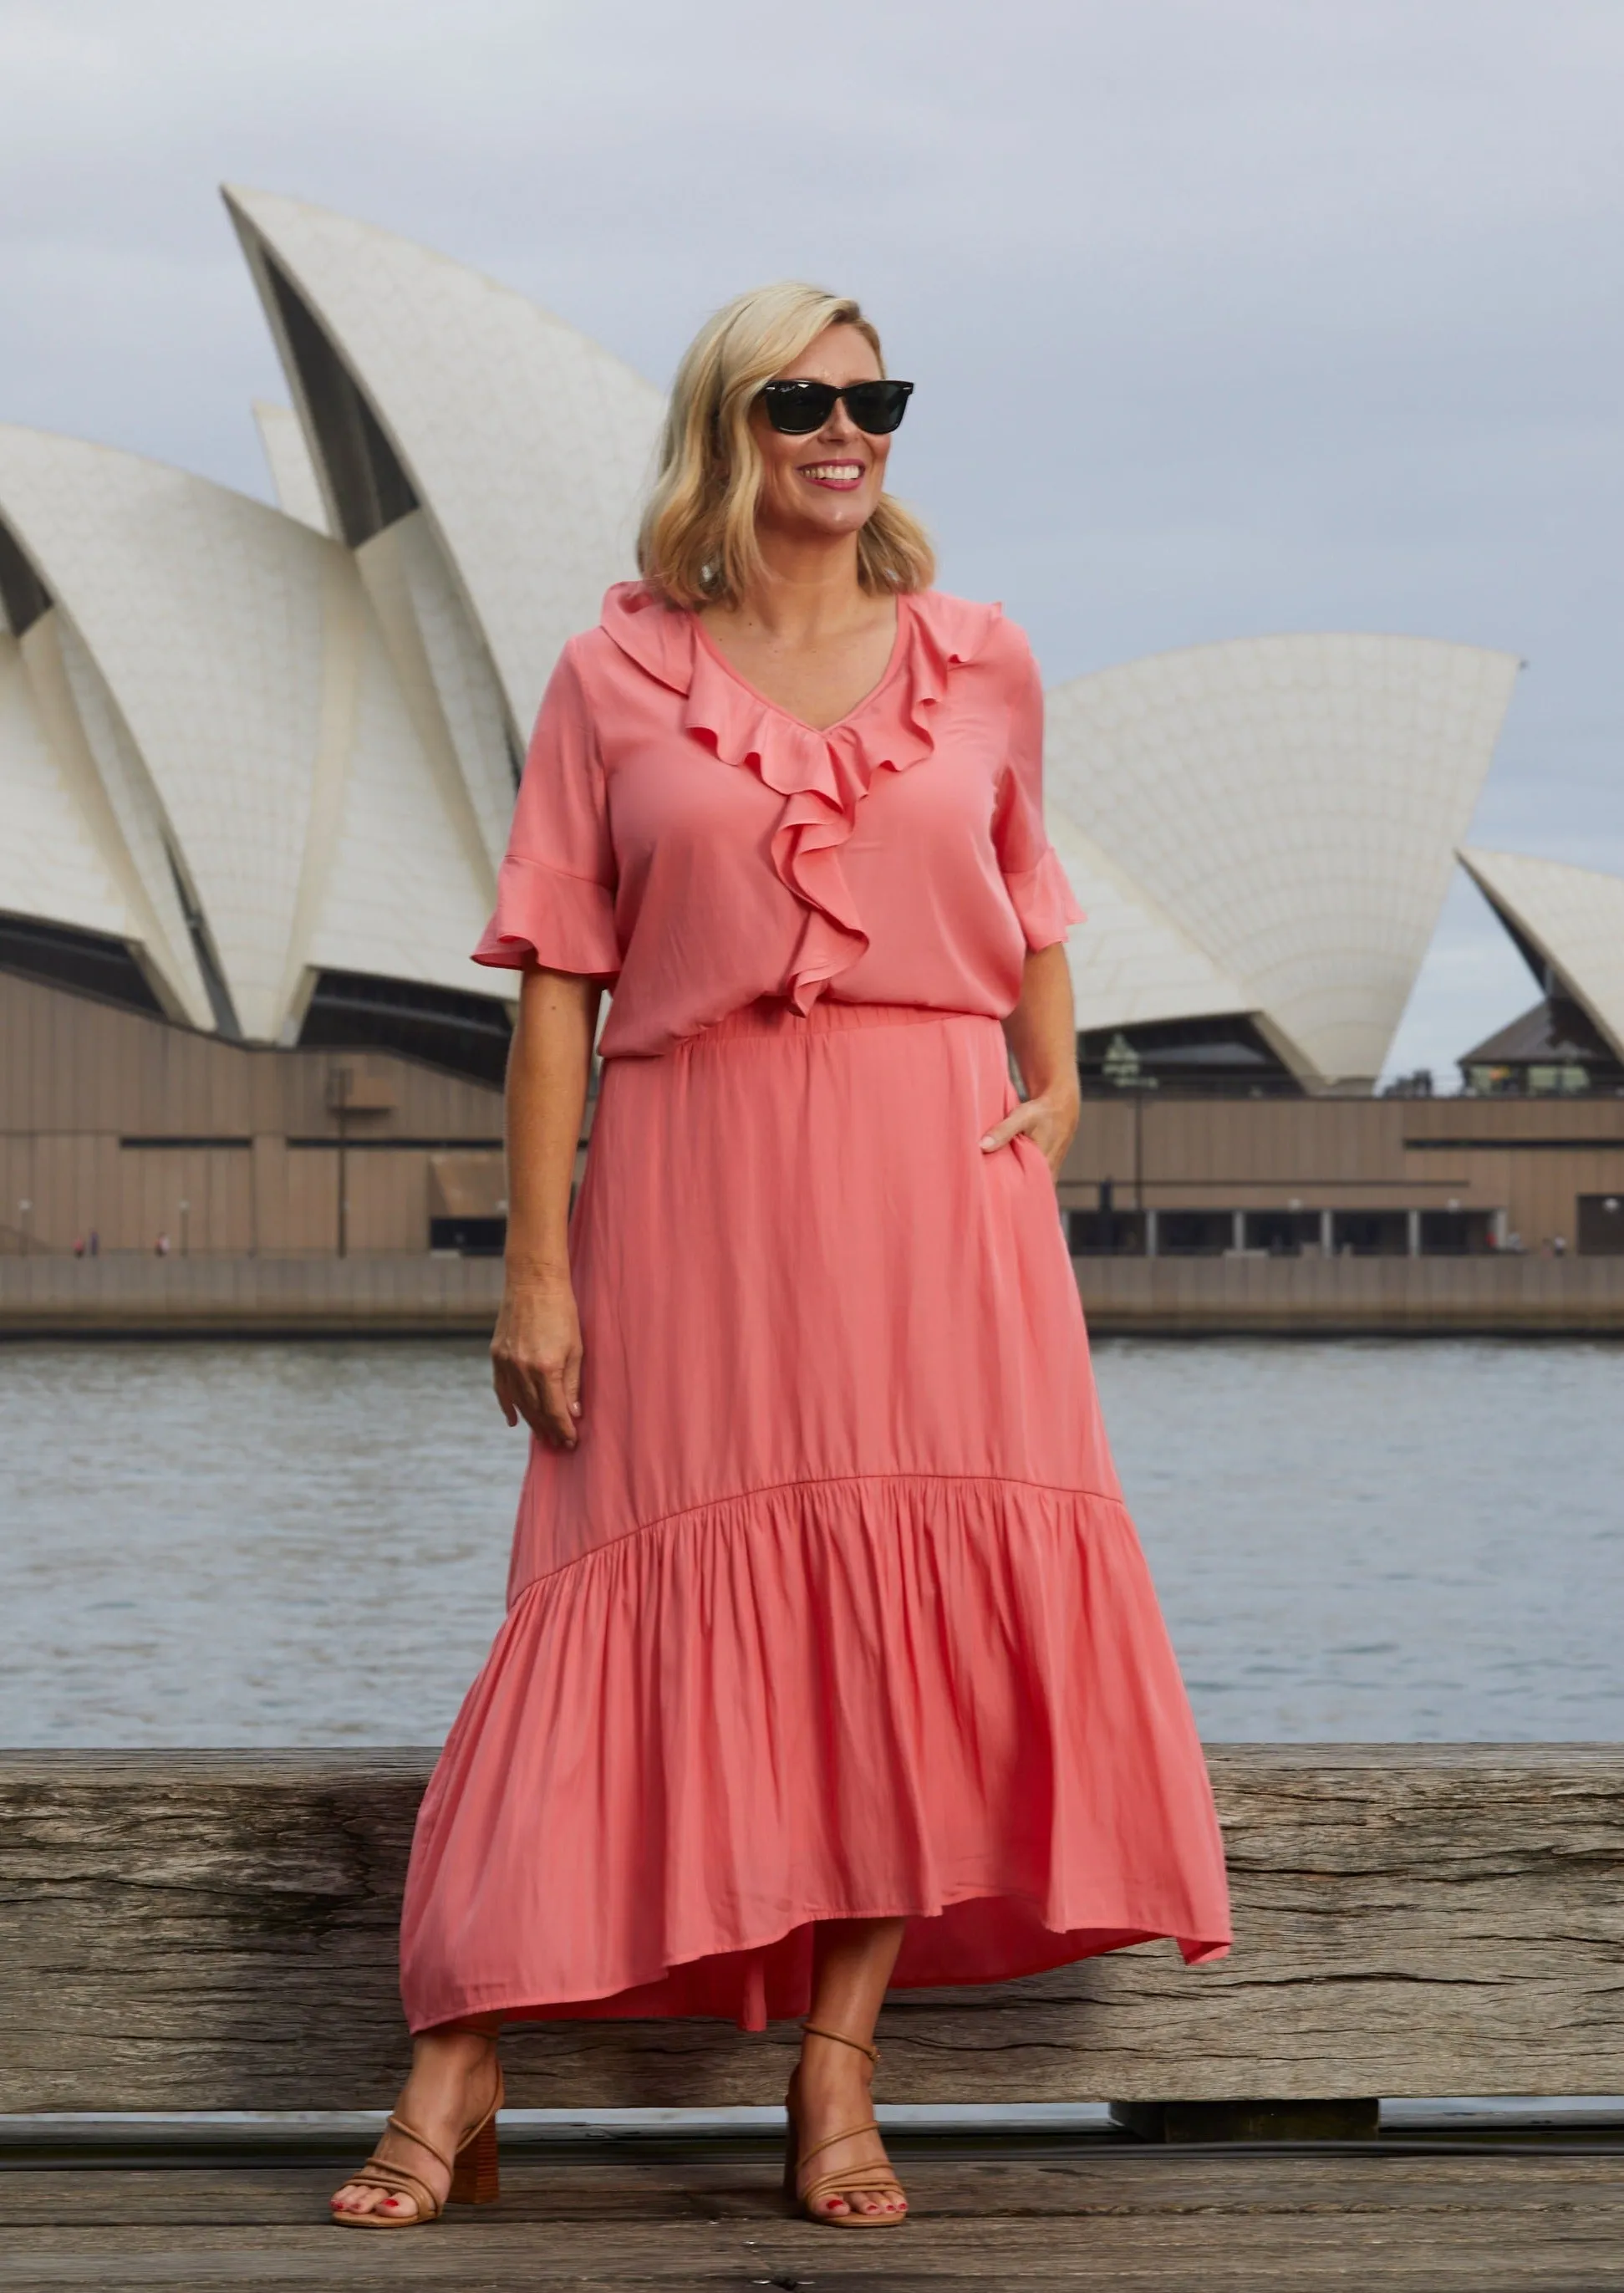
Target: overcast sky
(1228,316)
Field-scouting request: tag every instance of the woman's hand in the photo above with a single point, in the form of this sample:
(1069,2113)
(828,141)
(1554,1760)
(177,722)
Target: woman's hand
(536,1358)
(1041,1030)
(1048,1119)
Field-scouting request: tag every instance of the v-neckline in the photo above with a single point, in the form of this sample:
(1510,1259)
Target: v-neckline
(818,732)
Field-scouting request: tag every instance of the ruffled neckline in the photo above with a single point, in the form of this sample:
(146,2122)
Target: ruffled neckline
(822,776)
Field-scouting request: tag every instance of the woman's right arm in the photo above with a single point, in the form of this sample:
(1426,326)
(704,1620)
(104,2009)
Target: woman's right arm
(535,1353)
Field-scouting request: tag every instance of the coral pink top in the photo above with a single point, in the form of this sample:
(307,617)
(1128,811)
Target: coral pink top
(683,837)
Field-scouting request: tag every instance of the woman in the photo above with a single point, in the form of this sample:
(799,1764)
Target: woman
(830,1658)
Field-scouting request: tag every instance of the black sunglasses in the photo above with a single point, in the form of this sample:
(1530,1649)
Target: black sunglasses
(799,408)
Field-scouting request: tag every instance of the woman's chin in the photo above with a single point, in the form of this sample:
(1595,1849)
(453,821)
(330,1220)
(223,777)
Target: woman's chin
(830,518)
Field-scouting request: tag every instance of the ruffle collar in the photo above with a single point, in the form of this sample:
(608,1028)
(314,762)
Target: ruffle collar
(822,776)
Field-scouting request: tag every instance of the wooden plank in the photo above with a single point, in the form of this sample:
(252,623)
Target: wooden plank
(1387,2225)
(194,1930)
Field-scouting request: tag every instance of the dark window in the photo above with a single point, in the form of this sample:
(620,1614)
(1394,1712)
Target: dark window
(1457,1233)
(1601,1225)
(1105,1233)
(474,1237)
(1194,1233)
(85,962)
(1371,1233)
(1225,1056)
(468,1033)
(1283,1234)
(1555,1051)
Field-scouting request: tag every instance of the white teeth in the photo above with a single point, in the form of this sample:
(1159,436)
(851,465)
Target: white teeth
(836,470)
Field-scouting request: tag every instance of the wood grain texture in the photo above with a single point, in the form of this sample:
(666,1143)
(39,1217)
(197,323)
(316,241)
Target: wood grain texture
(215,1931)
(1121,2222)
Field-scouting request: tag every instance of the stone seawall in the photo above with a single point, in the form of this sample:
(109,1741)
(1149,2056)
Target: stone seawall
(374,1296)
(1366,1297)
(418,1295)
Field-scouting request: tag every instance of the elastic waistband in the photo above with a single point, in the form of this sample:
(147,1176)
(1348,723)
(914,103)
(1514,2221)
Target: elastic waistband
(773,1017)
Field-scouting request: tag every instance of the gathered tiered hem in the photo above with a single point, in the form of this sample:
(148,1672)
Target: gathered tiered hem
(836,1612)
(945,1699)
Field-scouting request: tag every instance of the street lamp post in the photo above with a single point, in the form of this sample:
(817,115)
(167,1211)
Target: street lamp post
(1123,1067)
(338,1098)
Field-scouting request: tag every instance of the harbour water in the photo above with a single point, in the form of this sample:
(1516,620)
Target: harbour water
(301,1545)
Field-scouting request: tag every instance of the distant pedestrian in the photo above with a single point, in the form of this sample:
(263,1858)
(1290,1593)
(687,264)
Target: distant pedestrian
(78,1245)
(95,1243)
(161,1245)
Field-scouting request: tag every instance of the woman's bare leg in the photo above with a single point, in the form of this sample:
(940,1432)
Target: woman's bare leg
(851,1966)
(452,2080)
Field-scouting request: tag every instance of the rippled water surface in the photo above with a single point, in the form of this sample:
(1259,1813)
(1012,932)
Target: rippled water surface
(307,1543)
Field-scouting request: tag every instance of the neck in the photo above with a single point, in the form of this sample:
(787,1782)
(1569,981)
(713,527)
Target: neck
(807,586)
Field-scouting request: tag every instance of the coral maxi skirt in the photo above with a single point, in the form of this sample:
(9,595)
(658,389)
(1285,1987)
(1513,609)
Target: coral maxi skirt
(836,1612)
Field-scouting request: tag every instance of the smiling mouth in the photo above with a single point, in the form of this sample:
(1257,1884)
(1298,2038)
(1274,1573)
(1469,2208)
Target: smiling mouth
(842,477)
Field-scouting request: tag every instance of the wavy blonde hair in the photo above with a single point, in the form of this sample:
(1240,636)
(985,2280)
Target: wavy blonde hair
(697,545)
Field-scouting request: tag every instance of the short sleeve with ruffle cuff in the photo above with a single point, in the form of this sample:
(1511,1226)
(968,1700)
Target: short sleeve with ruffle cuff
(1044,900)
(555,892)
(544,916)
(1033,876)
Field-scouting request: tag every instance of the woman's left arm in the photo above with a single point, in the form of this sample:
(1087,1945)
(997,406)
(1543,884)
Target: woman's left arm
(1042,1033)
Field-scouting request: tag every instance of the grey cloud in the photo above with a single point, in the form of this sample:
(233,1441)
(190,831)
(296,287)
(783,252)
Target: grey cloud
(1229,316)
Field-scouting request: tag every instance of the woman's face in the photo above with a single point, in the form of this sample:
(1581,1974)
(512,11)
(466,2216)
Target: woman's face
(830,481)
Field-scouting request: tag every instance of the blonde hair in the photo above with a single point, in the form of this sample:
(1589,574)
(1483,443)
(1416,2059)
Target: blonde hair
(697,545)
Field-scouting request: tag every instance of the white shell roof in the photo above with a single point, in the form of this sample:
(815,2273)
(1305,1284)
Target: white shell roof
(1294,803)
(292,474)
(203,611)
(51,867)
(396,885)
(1572,919)
(528,444)
(1131,965)
(253,727)
(321,739)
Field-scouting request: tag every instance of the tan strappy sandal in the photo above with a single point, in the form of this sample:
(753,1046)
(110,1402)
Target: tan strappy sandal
(473,2168)
(845,2184)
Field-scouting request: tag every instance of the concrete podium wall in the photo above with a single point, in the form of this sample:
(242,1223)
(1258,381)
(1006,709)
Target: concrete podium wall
(414,1294)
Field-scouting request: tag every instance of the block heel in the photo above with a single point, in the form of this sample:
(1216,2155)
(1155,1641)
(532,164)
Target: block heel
(476,2177)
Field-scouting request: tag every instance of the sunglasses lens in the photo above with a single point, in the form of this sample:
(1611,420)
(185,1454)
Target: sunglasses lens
(878,407)
(798,407)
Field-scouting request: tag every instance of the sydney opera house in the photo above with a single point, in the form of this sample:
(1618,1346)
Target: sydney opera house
(256,765)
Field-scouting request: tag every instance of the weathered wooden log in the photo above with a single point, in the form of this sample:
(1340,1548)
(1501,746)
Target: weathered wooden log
(196,1930)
